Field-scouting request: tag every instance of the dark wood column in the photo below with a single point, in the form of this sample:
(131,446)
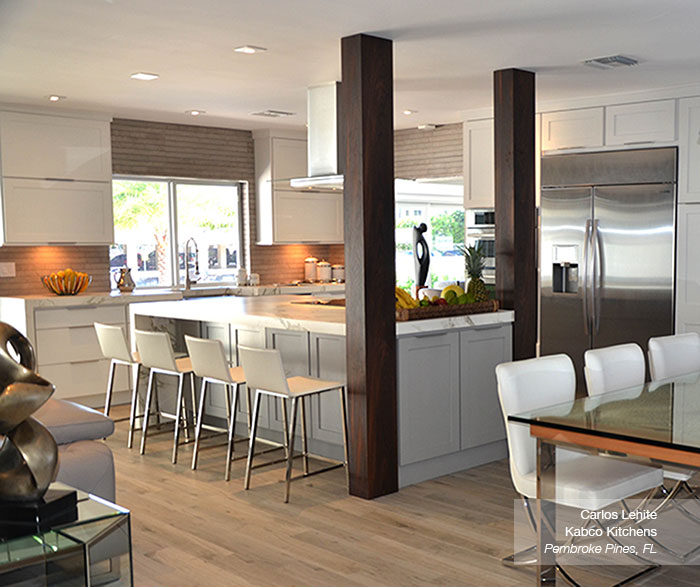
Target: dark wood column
(367,127)
(516,220)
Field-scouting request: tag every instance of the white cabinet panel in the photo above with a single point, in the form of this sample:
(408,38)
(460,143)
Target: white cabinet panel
(66,212)
(689,153)
(327,360)
(56,147)
(78,379)
(635,124)
(688,269)
(572,129)
(428,384)
(64,345)
(479,167)
(308,217)
(288,160)
(79,316)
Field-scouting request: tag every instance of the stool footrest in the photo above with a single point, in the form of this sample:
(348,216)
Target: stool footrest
(316,472)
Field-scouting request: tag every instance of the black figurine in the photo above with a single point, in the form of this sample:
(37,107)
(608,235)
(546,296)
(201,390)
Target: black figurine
(421,260)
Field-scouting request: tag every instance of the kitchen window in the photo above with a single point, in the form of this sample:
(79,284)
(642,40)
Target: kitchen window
(154,217)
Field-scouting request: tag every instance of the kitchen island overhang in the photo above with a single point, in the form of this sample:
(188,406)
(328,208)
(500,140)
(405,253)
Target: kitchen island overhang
(448,412)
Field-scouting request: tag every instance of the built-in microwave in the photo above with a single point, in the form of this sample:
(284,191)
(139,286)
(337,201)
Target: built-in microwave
(481,232)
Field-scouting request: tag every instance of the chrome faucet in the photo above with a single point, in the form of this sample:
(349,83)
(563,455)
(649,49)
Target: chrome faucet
(189,280)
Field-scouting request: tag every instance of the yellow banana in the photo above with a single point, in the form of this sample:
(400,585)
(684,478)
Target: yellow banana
(406,299)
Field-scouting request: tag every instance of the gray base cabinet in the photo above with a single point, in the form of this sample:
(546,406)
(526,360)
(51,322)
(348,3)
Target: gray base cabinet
(327,356)
(428,383)
(480,350)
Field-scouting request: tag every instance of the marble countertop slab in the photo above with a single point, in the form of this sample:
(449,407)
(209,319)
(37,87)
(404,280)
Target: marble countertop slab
(280,312)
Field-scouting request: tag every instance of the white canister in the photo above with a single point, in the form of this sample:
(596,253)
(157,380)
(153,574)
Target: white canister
(338,273)
(310,268)
(323,271)
(241,276)
(254,279)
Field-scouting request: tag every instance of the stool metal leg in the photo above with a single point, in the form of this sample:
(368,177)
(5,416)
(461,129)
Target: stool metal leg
(147,411)
(247,406)
(285,422)
(200,419)
(304,448)
(232,404)
(136,372)
(251,446)
(343,410)
(155,386)
(110,387)
(178,414)
(290,451)
(194,405)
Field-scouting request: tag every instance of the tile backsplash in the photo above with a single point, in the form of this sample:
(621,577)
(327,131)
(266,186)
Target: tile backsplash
(33,262)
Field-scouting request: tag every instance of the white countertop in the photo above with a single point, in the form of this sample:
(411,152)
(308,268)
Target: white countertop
(279,312)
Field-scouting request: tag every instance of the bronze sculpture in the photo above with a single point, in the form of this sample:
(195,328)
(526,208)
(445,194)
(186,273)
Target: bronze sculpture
(28,452)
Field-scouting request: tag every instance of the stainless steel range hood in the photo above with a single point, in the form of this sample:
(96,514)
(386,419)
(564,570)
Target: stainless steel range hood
(323,167)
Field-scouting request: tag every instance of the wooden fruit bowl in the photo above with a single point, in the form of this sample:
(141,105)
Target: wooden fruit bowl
(425,312)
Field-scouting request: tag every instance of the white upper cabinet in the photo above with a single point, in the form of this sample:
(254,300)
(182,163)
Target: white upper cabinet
(639,124)
(44,212)
(689,151)
(285,215)
(54,147)
(572,129)
(479,169)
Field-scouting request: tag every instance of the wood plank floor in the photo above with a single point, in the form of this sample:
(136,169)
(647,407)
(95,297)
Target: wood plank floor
(191,528)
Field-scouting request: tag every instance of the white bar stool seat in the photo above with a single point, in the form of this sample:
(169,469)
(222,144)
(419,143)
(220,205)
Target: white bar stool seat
(114,347)
(209,363)
(157,355)
(675,355)
(265,374)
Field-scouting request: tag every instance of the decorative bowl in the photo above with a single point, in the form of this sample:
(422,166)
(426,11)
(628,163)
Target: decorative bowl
(67,283)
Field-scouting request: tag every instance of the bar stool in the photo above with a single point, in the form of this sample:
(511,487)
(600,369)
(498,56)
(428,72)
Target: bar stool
(114,347)
(209,362)
(157,355)
(265,373)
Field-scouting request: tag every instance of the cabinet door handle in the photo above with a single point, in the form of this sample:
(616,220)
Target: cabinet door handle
(58,179)
(638,142)
(85,361)
(61,243)
(487,326)
(430,334)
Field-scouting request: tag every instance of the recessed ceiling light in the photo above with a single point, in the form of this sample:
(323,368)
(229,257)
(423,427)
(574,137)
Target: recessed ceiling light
(143,76)
(409,112)
(56,98)
(250,49)
(195,112)
(611,61)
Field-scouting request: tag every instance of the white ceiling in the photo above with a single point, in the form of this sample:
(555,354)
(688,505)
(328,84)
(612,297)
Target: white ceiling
(444,52)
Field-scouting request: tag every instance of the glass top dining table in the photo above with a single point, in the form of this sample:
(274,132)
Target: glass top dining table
(658,421)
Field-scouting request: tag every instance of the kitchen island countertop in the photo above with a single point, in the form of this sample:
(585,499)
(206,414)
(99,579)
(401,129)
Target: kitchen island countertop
(280,312)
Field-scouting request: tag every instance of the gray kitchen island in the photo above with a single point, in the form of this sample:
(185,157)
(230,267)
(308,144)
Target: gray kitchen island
(448,412)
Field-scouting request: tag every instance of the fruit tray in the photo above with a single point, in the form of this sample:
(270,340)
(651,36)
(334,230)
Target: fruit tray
(425,312)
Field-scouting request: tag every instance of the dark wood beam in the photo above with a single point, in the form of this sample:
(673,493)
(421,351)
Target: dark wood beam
(368,130)
(516,220)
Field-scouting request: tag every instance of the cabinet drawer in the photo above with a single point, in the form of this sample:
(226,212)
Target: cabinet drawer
(65,345)
(79,316)
(637,124)
(81,379)
(572,129)
(38,212)
(39,146)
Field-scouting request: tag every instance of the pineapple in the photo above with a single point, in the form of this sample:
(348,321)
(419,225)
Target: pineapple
(474,261)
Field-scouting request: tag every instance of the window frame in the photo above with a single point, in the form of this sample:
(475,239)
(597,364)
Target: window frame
(173,250)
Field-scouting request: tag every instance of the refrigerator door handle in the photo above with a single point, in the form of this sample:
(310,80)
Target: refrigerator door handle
(597,245)
(586,253)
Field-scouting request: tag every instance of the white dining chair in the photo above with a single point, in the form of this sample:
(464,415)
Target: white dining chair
(114,347)
(210,364)
(616,367)
(264,373)
(582,480)
(671,356)
(157,355)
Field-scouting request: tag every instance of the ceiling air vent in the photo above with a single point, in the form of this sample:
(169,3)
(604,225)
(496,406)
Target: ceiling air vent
(273,113)
(611,62)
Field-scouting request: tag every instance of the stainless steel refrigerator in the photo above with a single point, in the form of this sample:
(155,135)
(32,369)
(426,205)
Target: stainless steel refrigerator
(607,247)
